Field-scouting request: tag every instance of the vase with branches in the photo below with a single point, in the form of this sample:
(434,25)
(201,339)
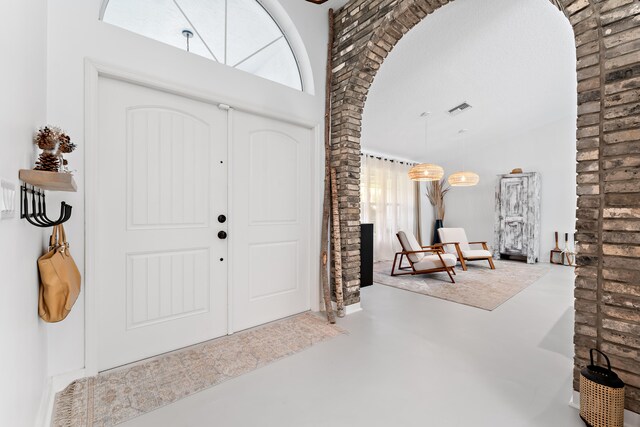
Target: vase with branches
(436,191)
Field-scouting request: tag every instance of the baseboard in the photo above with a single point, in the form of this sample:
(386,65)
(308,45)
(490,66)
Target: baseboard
(348,309)
(53,386)
(43,417)
(631,419)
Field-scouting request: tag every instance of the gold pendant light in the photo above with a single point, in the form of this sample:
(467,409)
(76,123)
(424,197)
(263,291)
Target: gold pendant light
(426,171)
(463,178)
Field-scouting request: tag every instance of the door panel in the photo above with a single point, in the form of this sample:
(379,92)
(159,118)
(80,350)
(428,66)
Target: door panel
(162,177)
(270,228)
(167,154)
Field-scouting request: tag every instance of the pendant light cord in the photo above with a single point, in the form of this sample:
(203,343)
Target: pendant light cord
(426,134)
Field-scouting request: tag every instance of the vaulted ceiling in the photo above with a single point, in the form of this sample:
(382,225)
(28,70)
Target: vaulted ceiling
(512,60)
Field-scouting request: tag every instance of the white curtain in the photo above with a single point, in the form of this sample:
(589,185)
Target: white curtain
(387,199)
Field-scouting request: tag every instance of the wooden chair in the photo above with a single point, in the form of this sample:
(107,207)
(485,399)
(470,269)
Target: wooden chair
(422,259)
(455,242)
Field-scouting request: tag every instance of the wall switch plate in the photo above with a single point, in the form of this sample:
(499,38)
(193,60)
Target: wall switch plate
(7,199)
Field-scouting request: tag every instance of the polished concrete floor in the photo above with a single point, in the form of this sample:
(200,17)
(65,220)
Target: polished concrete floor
(412,360)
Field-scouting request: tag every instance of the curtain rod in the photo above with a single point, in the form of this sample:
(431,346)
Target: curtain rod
(402,162)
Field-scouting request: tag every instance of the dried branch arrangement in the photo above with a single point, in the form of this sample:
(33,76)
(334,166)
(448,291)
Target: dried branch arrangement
(436,190)
(326,203)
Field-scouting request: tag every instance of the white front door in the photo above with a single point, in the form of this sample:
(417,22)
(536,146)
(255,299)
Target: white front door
(160,268)
(270,230)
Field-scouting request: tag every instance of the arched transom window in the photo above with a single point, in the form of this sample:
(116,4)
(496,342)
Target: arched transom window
(238,33)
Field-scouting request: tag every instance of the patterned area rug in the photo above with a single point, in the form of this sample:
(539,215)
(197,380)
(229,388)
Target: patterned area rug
(478,287)
(121,394)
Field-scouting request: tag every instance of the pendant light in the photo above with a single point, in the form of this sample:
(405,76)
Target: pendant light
(426,171)
(463,178)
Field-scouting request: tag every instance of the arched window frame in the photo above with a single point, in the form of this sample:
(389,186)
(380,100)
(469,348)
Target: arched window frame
(286,25)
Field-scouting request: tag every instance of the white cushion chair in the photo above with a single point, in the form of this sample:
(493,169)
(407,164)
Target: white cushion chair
(422,259)
(455,242)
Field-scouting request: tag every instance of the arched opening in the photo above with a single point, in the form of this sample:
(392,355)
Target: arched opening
(608,64)
(507,125)
(240,34)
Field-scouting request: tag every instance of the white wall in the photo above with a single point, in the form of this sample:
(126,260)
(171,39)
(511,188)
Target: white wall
(76,33)
(549,149)
(22,110)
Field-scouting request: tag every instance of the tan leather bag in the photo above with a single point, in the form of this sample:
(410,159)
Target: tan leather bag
(59,279)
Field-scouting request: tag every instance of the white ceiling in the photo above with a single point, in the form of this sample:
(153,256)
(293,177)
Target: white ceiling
(512,60)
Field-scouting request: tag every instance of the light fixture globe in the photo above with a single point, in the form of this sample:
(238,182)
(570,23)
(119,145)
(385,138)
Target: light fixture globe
(463,179)
(426,172)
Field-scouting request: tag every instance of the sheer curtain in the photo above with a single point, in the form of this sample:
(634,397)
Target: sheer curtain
(388,200)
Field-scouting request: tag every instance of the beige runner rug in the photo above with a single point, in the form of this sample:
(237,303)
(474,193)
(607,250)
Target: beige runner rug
(115,396)
(479,286)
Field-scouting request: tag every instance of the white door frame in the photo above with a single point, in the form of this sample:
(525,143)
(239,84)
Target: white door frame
(93,71)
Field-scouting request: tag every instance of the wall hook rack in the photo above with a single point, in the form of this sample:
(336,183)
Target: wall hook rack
(38,214)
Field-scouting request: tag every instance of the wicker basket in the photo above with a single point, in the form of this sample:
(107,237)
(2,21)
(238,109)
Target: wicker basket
(601,395)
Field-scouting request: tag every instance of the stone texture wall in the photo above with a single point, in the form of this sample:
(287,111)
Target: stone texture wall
(607,36)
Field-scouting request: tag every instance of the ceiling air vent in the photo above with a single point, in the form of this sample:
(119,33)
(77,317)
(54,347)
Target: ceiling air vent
(459,109)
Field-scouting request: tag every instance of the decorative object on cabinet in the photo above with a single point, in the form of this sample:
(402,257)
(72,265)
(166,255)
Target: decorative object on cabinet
(53,142)
(517,217)
(34,208)
(436,191)
(59,279)
(556,256)
(456,243)
(516,170)
(569,256)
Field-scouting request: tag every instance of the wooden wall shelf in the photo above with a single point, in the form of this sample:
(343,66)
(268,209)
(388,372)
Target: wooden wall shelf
(53,181)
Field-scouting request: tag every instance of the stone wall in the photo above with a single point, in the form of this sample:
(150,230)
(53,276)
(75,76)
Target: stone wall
(607,36)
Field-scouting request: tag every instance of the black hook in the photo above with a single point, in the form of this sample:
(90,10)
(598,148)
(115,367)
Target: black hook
(65,211)
(38,215)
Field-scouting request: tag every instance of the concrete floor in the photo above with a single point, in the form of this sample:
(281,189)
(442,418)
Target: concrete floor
(412,360)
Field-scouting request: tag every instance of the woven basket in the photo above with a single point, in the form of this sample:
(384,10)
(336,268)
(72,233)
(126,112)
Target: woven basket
(601,395)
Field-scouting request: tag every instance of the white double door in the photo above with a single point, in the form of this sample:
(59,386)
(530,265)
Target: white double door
(169,270)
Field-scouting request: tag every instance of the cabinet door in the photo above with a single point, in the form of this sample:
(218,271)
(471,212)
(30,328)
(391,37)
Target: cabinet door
(513,208)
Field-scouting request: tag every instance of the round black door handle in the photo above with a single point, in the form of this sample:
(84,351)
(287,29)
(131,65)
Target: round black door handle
(222,219)
(222,234)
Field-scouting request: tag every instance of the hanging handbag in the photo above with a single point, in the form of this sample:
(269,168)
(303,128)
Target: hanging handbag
(601,395)
(59,279)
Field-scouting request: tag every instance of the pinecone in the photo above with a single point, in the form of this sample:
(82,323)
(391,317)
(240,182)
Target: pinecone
(46,138)
(47,162)
(66,146)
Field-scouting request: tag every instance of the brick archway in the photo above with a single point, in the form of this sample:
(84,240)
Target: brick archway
(607,36)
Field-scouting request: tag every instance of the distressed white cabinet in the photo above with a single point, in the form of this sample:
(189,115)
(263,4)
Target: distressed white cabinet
(517,226)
